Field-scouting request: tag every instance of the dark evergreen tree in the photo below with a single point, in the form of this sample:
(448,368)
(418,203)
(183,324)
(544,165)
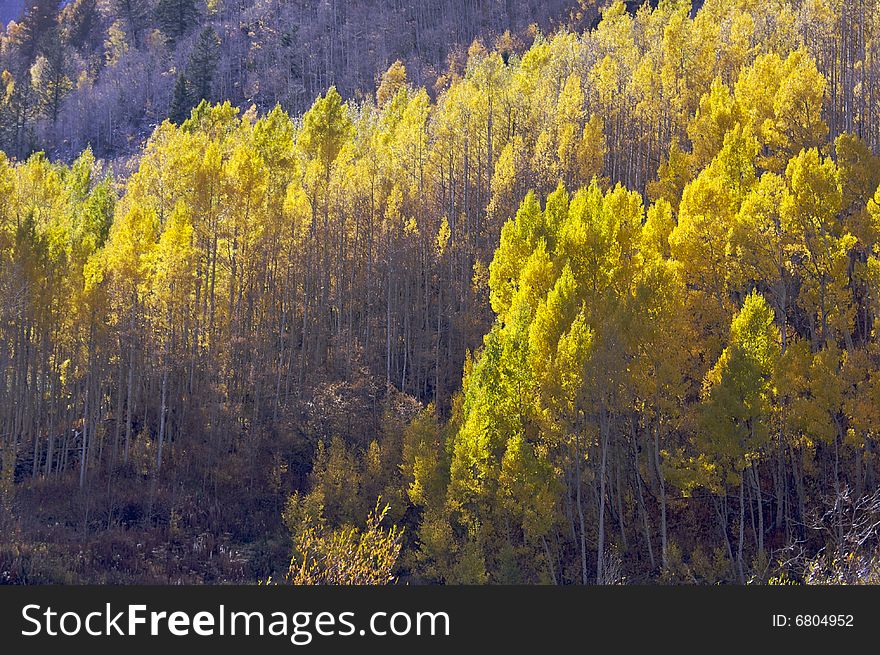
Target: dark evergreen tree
(39,27)
(176,17)
(82,20)
(135,17)
(181,101)
(202,65)
(50,77)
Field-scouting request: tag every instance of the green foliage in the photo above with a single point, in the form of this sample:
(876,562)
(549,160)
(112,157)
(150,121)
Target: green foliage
(735,425)
(326,126)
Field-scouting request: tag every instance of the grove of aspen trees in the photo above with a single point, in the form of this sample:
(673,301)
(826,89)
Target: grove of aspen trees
(600,307)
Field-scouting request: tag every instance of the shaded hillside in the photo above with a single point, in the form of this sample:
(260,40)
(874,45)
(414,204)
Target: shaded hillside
(105,72)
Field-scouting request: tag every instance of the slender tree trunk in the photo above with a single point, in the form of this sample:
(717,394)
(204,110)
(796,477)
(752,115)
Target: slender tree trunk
(129,398)
(641,500)
(549,557)
(162,420)
(580,507)
(662,484)
(721,512)
(757,481)
(85,437)
(600,549)
(742,521)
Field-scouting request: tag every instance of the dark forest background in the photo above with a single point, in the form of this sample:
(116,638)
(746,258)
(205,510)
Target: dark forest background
(109,69)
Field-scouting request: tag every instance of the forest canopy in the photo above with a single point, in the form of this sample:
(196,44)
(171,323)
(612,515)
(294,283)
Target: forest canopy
(601,309)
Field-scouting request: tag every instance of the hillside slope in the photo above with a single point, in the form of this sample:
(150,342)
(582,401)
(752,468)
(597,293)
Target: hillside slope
(105,72)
